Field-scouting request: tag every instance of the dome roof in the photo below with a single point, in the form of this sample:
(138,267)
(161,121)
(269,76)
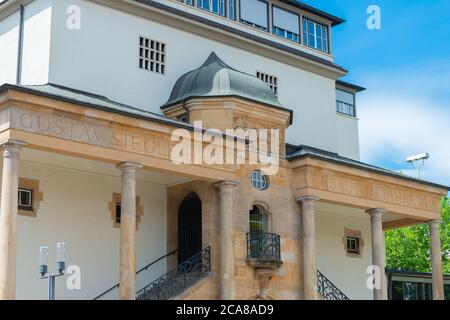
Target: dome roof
(216,79)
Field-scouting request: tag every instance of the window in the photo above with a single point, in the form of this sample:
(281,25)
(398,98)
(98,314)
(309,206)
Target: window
(25,200)
(345,103)
(118,212)
(254,13)
(286,24)
(115,210)
(259,181)
(258,220)
(270,80)
(315,35)
(184,118)
(152,55)
(352,245)
(232,9)
(214,6)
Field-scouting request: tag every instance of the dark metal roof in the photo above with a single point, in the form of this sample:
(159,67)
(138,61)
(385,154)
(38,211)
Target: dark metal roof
(217,79)
(242,34)
(350,85)
(334,20)
(302,151)
(88,99)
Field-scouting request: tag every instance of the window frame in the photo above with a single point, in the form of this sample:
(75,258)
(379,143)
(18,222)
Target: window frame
(356,240)
(306,33)
(300,17)
(225,7)
(355,114)
(255,26)
(254,182)
(24,207)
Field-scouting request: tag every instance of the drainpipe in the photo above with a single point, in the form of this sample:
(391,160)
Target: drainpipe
(20,45)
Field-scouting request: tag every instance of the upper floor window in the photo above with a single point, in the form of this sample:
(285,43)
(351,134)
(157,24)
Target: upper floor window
(315,35)
(214,6)
(345,103)
(255,13)
(286,24)
(220,7)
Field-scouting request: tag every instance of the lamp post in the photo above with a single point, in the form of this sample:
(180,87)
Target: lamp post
(60,267)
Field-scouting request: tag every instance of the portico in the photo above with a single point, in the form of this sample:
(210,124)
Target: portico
(390,201)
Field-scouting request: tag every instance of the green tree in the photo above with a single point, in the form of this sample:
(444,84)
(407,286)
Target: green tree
(409,248)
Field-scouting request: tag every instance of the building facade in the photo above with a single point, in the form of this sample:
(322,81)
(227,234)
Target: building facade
(92,93)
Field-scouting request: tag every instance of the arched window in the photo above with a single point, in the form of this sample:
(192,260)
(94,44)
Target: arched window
(258,220)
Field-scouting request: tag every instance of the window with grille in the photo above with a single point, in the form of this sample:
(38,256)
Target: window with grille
(258,220)
(270,80)
(152,55)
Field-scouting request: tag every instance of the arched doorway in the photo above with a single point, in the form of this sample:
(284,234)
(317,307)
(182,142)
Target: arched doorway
(189,227)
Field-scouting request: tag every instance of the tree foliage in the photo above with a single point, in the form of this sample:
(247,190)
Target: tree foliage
(409,248)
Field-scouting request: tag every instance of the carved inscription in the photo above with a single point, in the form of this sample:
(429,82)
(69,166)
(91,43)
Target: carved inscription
(90,131)
(372,190)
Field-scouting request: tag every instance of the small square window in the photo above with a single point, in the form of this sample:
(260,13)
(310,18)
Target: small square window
(25,200)
(352,245)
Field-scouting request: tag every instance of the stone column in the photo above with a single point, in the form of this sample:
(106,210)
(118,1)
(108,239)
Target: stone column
(309,247)
(8,219)
(378,251)
(436,260)
(128,231)
(226,239)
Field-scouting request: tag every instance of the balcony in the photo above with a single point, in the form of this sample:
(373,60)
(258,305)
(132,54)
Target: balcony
(264,250)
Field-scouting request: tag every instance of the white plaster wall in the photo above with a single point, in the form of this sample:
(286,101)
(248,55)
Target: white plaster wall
(75,211)
(347,273)
(36,42)
(348,136)
(102,58)
(9,39)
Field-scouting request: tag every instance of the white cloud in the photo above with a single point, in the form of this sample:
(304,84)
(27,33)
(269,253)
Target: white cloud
(393,127)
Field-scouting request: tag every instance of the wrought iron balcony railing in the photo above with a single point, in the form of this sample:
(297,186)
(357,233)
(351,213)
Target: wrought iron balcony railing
(264,247)
(328,290)
(179,279)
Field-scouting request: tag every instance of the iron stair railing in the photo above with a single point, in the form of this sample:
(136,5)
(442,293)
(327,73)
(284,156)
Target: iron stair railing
(137,273)
(328,290)
(179,279)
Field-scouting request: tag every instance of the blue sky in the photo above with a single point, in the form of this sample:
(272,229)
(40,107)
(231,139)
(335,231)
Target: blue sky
(406,68)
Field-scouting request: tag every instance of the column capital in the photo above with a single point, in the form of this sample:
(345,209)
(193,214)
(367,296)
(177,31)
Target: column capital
(434,223)
(226,184)
(376,212)
(307,198)
(129,165)
(11,144)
